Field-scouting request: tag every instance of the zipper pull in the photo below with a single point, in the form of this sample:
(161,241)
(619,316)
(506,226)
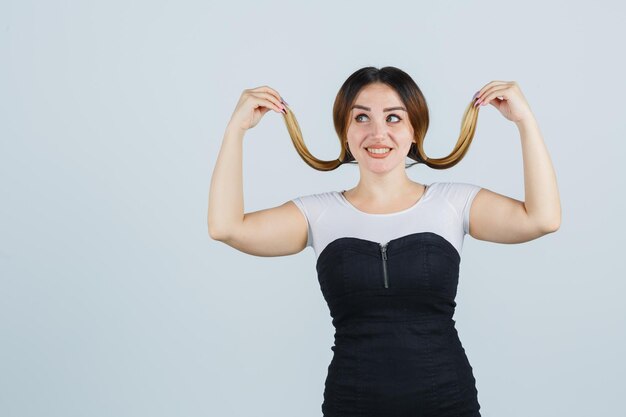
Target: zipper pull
(383,249)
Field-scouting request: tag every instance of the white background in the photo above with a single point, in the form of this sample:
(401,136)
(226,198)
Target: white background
(114,301)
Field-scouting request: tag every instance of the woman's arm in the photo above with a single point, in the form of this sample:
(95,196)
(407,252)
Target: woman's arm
(275,231)
(226,192)
(542,201)
(497,218)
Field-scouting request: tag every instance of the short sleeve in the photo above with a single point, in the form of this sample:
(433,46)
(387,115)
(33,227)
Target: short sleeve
(313,207)
(461,195)
(300,204)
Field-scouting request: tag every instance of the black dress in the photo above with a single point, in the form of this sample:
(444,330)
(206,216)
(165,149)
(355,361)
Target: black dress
(396,352)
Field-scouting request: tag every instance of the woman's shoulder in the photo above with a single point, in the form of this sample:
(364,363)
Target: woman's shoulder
(318,201)
(314,205)
(322,195)
(455,186)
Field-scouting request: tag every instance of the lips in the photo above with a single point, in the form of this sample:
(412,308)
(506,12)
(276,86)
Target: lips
(379,155)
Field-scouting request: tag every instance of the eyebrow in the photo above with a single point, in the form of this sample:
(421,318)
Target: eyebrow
(357,106)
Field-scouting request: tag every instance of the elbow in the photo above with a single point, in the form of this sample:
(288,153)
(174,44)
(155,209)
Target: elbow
(552,226)
(216,234)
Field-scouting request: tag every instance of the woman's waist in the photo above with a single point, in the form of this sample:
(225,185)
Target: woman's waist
(405,351)
(393,321)
(405,334)
(399,308)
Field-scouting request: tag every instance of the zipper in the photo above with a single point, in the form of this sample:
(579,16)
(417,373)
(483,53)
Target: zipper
(383,250)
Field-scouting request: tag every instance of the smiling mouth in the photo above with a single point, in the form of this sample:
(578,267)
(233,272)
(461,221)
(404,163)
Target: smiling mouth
(378,151)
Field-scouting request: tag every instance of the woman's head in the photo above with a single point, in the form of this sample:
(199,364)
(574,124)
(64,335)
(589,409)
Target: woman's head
(401,130)
(379,119)
(389,85)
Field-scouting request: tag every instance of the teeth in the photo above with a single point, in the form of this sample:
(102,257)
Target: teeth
(380,150)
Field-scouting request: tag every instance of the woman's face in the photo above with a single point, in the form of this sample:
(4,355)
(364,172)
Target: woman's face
(379,119)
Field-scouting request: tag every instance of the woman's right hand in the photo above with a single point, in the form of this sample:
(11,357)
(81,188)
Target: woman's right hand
(252,106)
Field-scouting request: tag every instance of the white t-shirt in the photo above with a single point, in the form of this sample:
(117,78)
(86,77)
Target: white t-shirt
(443,209)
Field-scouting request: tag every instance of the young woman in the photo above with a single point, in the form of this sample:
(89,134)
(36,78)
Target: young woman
(388,250)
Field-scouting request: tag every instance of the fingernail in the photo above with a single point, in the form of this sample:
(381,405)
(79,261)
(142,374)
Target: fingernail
(282,100)
(476,94)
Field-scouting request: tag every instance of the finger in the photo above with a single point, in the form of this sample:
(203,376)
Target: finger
(488,88)
(267,89)
(268,101)
(271,98)
(490,94)
(493,93)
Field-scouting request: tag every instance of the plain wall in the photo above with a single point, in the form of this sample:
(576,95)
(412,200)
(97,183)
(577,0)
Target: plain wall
(114,300)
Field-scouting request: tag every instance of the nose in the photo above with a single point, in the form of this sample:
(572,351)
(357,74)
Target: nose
(379,129)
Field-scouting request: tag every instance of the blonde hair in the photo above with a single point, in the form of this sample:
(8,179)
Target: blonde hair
(417,110)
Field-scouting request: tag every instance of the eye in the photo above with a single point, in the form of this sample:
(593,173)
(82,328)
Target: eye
(391,115)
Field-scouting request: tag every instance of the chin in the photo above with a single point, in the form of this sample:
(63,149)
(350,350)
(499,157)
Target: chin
(380,166)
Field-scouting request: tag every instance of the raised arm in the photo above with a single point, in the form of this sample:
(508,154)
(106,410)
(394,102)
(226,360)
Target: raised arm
(275,231)
(498,218)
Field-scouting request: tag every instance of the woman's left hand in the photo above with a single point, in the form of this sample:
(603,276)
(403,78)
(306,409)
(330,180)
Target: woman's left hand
(507,97)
